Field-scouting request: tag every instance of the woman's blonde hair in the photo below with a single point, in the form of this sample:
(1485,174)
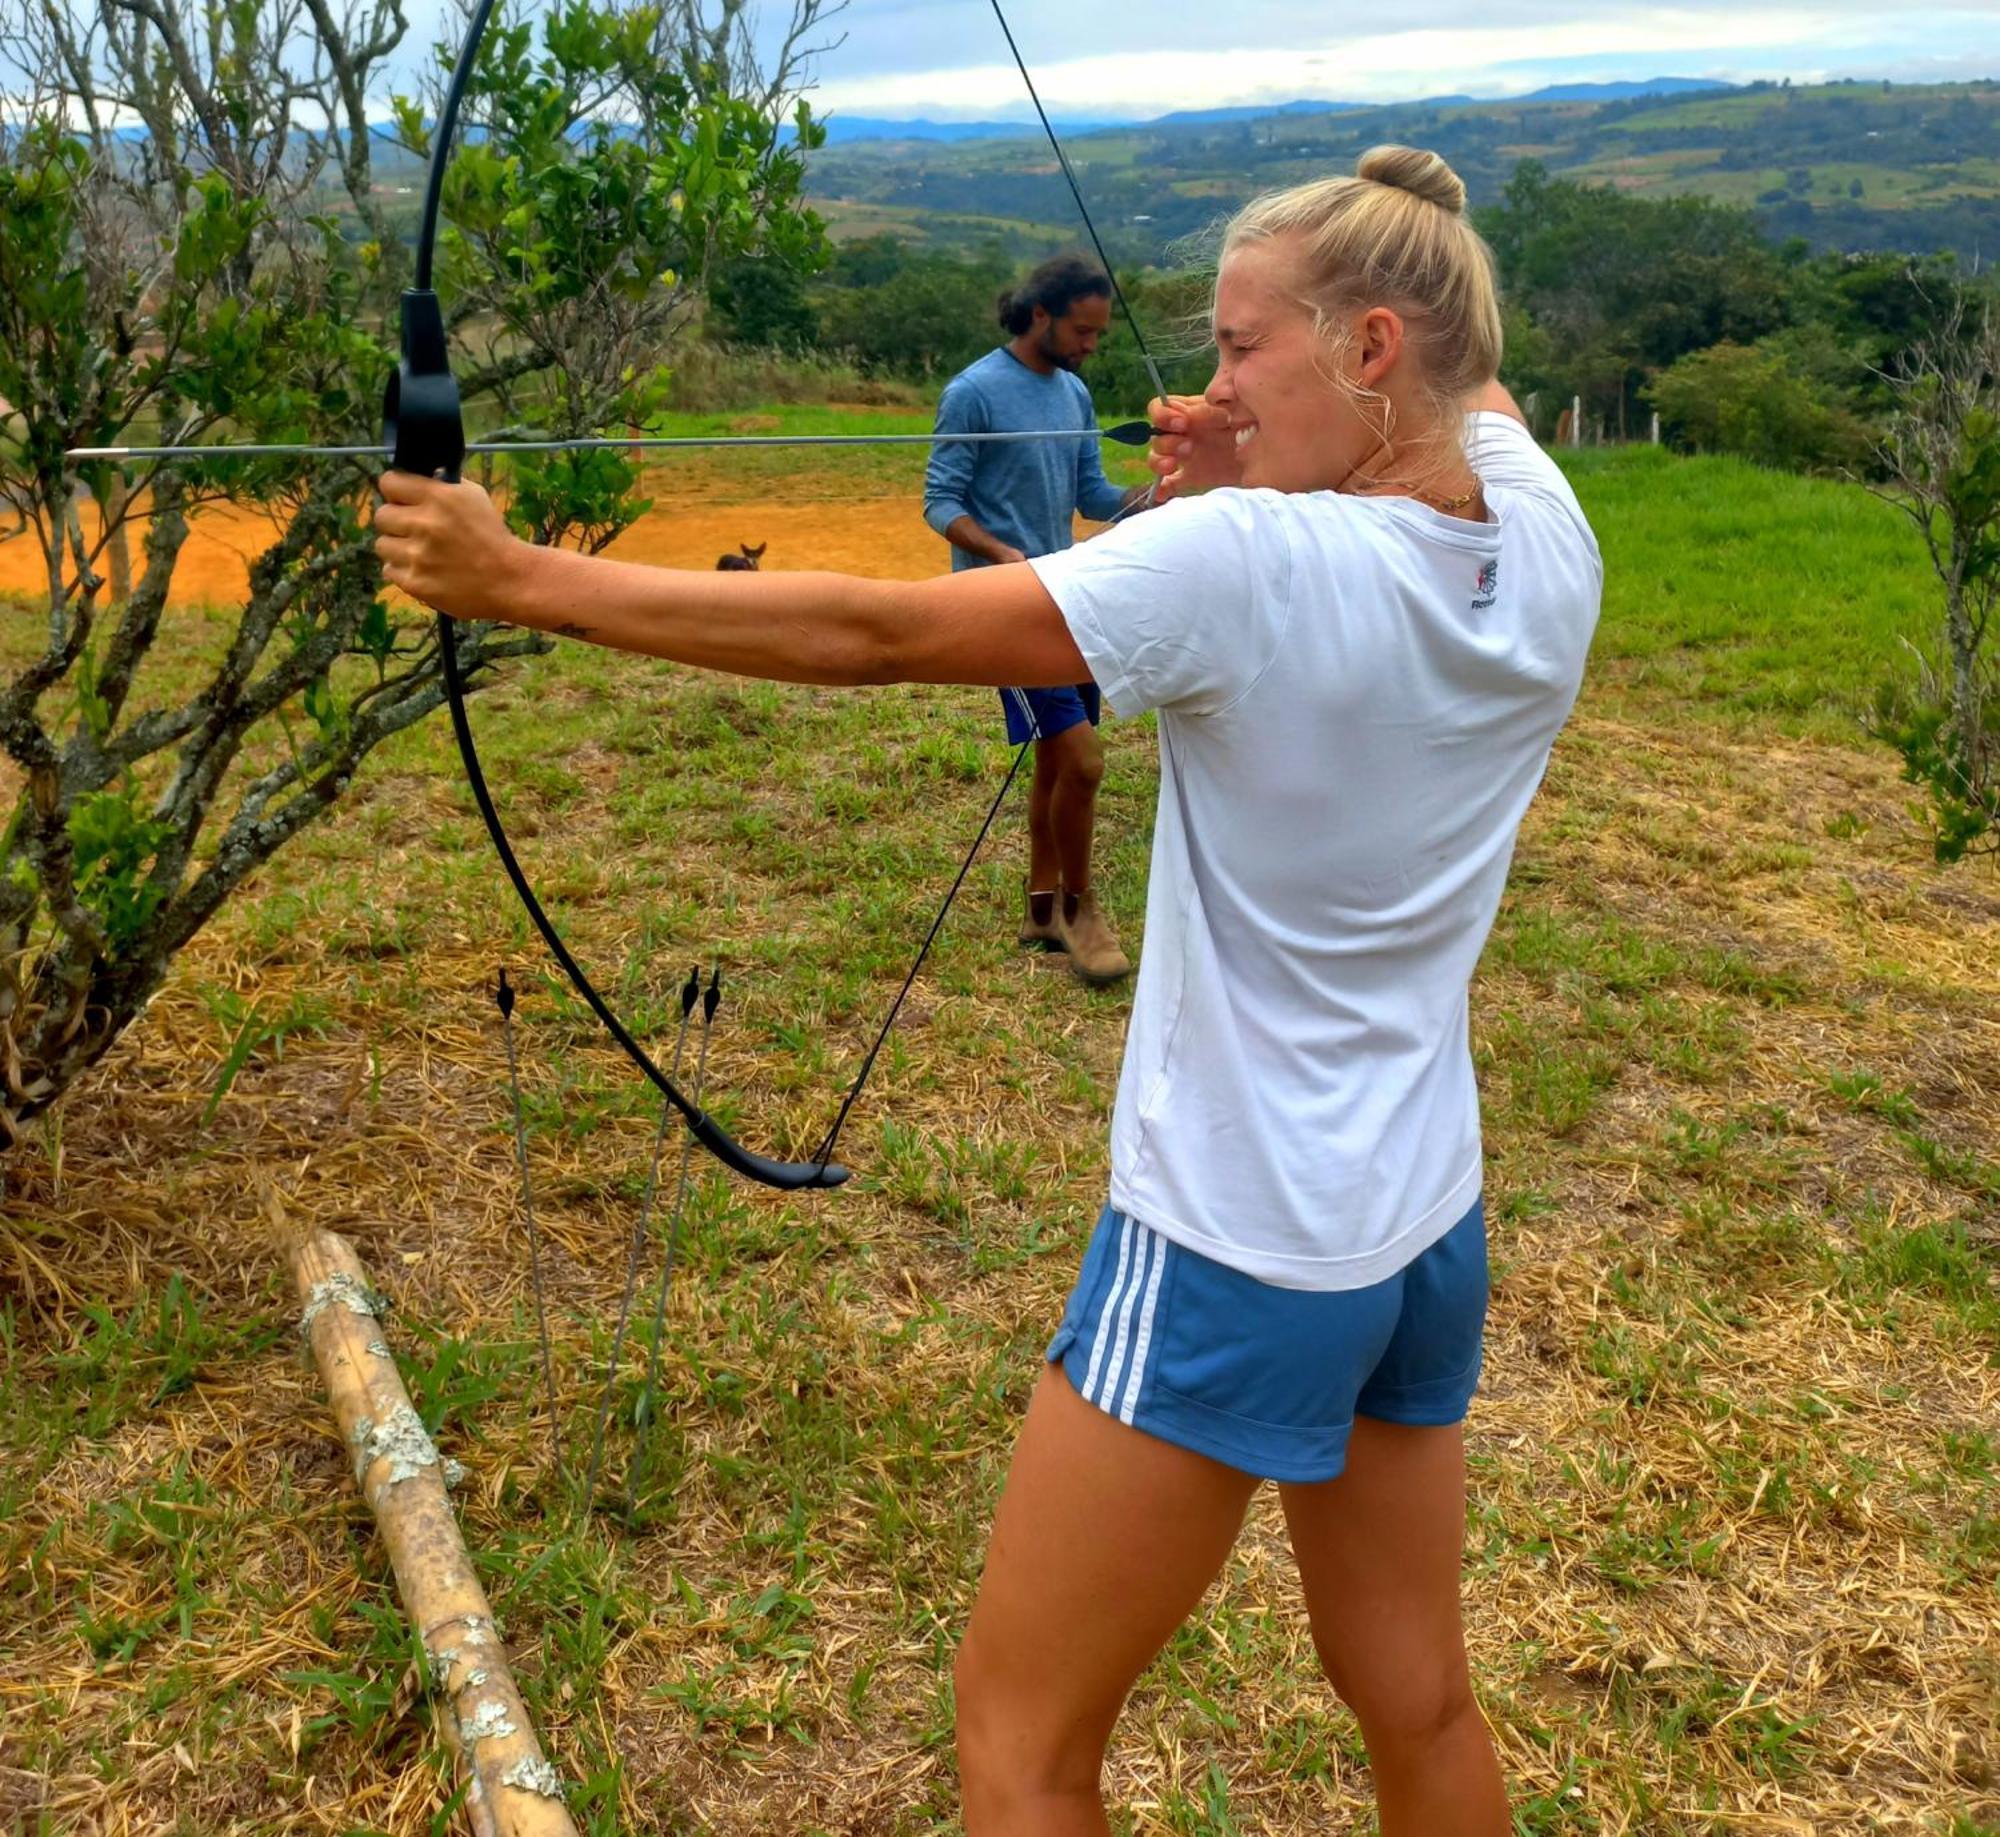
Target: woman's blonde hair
(1394,235)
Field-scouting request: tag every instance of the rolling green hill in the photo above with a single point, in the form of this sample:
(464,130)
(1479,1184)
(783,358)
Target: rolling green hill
(1845,166)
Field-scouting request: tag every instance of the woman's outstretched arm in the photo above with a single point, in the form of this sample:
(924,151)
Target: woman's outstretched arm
(449,547)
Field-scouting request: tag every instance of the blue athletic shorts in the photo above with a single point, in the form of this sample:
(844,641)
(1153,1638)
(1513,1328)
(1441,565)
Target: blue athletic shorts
(1054,711)
(1268,1379)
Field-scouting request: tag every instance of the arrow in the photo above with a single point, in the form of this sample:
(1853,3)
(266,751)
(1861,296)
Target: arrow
(1126,433)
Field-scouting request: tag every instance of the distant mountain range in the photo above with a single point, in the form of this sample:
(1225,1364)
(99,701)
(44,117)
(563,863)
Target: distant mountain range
(1616,92)
(842,130)
(845,130)
(1913,168)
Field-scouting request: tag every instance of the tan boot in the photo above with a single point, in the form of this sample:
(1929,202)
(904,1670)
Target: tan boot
(1039,934)
(1091,943)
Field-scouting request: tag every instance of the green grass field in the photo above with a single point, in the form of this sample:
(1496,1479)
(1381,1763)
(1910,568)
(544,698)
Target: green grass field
(1734,1542)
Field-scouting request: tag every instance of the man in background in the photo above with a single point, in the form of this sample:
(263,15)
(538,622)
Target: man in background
(1008,501)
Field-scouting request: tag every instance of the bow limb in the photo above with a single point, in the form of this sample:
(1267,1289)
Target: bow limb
(424,429)
(1083,209)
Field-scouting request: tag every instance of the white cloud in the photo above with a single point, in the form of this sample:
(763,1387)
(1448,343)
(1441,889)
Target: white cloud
(1140,58)
(1147,59)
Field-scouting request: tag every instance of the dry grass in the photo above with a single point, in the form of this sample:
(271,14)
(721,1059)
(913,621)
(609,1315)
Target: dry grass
(1733,1554)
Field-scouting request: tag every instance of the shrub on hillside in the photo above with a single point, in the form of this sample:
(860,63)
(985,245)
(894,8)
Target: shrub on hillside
(762,303)
(710,378)
(1784,401)
(928,318)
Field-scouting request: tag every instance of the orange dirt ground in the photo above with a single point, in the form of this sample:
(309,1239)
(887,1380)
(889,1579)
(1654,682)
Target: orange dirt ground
(885,537)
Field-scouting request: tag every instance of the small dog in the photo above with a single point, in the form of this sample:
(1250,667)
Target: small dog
(746,562)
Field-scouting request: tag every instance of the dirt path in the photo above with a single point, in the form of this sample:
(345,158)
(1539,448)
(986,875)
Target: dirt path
(879,536)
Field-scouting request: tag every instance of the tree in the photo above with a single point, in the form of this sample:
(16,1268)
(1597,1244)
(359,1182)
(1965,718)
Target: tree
(1623,287)
(762,304)
(226,273)
(1882,305)
(928,318)
(926,314)
(1789,400)
(1942,458)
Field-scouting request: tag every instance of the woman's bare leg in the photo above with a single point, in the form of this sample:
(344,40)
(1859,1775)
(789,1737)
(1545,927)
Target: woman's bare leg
(1104,1542)
(1378,1550)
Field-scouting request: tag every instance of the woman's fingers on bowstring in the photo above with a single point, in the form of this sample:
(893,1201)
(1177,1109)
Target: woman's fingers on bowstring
(1170,478)
(1182,425)
(1186,414)
(1171,445)
(1169,460)
(1175,421)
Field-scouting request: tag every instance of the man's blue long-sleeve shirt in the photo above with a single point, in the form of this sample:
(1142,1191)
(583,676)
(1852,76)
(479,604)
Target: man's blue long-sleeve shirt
(1026,492)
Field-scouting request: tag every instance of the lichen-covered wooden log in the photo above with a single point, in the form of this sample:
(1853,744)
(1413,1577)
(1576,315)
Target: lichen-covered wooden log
(512,1790)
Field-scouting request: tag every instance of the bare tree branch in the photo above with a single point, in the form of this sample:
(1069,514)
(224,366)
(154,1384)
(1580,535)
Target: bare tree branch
(1941,457)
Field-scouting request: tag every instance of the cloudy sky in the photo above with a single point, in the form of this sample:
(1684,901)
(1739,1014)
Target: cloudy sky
(946,58)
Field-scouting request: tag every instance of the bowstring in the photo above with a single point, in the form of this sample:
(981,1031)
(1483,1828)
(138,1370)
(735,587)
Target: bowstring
(1082,209)
(824,1154)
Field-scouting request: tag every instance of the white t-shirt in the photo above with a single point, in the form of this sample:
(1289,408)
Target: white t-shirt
(1357,697)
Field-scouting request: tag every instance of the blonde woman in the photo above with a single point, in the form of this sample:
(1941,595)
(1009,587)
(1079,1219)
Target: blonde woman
(1362,622)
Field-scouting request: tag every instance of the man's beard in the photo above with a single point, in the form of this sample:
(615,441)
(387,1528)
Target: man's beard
(1063,360)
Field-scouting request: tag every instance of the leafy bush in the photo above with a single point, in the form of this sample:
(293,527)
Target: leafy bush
(1961,811)
(924,315)
(928,316)
(1782,401)
(762,304)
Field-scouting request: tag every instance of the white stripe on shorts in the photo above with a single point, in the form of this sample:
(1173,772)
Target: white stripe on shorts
(1145,1339)
(1148,1246)
(1104,1316)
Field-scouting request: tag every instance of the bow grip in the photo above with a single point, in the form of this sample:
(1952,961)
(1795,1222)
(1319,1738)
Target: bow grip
(421,423)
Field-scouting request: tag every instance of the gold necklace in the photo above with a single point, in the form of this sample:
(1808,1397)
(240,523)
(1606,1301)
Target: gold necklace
(1451,506)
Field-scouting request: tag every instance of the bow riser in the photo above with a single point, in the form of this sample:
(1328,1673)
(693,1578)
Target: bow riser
(422,424)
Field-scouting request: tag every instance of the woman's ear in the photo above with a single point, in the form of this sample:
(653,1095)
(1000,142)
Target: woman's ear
(1379,344)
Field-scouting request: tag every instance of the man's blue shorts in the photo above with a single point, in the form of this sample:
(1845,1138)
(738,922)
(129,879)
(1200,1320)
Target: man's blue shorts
(1041,714)
(1269,1380)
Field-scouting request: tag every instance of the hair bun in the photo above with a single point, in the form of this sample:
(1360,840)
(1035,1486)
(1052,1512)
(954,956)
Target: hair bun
(1415,170)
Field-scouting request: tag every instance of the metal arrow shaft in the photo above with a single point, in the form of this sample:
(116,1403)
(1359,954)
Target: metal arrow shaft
(1126,433)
